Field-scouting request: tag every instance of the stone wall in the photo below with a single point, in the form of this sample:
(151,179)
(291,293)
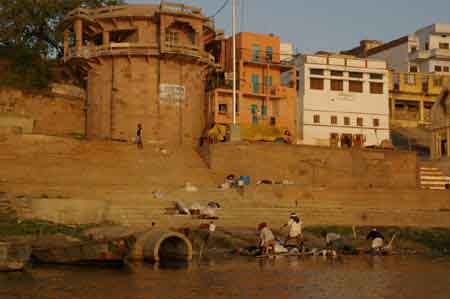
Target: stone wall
(56,113)
(126,91)
(312,165)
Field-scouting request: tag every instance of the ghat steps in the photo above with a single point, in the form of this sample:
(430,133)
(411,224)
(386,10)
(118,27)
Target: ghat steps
(65,171)
(433,178)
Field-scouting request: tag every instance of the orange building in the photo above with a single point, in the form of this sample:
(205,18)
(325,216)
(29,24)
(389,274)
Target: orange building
(263,98)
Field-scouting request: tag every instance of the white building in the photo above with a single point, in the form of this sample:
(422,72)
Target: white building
(286,51)
(343,101)
(427,50)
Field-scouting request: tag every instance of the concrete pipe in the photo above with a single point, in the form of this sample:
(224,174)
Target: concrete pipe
(157,245)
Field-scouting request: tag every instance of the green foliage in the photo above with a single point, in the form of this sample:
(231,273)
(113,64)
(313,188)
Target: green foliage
(34,24)
(29,227)
(29,36)
(27,70)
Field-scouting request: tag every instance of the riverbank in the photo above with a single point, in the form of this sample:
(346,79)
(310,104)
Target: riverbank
(427,241)
(408,241)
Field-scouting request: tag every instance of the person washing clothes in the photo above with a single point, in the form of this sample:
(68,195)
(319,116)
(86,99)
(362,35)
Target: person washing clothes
(377,239)
(295,229)
(266,238)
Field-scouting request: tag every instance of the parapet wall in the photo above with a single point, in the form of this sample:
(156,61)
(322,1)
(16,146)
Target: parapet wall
(57,113)
(313,165)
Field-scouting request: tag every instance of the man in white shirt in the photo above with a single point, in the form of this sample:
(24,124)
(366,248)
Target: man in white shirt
(295,228)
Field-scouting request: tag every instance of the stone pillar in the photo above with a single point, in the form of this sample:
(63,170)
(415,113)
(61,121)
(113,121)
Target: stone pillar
(105,38)
(422,113)
(448,141)
(78,27)
(66,42)
(392,108)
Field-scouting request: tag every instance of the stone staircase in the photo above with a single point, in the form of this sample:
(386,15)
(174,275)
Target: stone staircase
(433,178)
(7,213)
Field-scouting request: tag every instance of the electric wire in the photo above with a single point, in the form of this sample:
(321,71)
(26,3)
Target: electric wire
(220,9)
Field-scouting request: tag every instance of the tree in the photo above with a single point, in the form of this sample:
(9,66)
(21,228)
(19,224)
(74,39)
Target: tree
(30,38)
(33,24)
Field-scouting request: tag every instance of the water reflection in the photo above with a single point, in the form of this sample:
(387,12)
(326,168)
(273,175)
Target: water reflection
(284,277)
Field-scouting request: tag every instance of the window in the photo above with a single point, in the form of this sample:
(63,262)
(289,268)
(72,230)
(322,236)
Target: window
(376,122)
(444,46)
(355,75)
(445,69)
(413,69)
(255,52)
(316,83)
(317,119)
(264,110)
(172,37)
(337,73)
(334,120)
(318,72)
(347,121)
(376,76)
(359,122)
(413,49)
(410,79)
(337,85)
(269,54)
(223,109)
(437,68)
(270,81)
(355,86)
(255,83)
(437,81)
(376,87)
(427,46)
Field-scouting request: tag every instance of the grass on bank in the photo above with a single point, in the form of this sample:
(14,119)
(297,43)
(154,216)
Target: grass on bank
(34,227)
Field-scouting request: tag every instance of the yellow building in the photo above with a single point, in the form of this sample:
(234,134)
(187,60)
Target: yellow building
(263,98)
(412,96)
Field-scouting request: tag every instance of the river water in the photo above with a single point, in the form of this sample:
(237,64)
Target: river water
(283,277)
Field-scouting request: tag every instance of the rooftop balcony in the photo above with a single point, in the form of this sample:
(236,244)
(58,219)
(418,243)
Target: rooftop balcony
(88,52)
(417,83)
(428,54)
(136,49)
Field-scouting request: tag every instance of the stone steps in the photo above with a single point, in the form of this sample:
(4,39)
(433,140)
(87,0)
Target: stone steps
(7,212)
(432,178)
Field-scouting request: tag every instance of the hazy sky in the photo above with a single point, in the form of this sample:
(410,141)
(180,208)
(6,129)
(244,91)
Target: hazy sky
(331,25)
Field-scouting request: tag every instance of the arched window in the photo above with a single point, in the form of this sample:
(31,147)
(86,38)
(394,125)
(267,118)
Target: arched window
(179,33)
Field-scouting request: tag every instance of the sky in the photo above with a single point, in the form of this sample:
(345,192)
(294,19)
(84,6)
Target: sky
(328,25)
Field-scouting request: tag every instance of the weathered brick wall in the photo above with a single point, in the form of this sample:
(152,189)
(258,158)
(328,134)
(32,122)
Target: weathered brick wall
(125,91)
(44,114)
(317,165)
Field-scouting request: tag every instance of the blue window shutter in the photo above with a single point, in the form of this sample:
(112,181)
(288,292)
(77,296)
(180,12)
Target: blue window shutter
(269,53)
(255,83)
(255,52)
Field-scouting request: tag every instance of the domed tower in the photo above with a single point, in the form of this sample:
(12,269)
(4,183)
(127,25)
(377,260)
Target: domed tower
(143,64)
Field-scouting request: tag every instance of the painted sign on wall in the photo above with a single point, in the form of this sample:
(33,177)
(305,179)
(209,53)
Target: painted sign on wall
(172,94)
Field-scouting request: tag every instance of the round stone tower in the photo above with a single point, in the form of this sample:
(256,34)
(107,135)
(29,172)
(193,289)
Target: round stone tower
(143,64)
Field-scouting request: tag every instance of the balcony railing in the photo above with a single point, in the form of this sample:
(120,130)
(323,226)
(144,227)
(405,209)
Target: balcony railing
(180,48)
(263,57)
(418,82)
(180,8)
(427,54)
(88,52)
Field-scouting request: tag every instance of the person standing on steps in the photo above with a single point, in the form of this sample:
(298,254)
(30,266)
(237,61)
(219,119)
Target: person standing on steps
(139,143)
